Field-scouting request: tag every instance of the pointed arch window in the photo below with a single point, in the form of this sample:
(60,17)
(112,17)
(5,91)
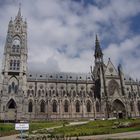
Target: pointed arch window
(42,107)
(11,104)
(66,106)
(13,48)
(56,93)
(39,93)
(11,64)
(84,94)
(30,107)
(90,94)
(16,88)
(28,92)
(132,106)
(54,107)
(50,93)
(77,106)
(16,45)
(88,106)
(18,64)
(32,91)
(14,65)
(9,89)
(138,104)
(97,107)
(43,92)
(46,94)
(53,92)
(17,48)
(74,93)
(81,93)
(64,92)
(13,85)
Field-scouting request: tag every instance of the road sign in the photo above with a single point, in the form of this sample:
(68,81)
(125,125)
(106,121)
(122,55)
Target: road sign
(22,126)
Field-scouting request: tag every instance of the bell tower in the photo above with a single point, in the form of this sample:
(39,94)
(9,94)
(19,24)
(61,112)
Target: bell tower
(98,59)
(98,71)
(14,67)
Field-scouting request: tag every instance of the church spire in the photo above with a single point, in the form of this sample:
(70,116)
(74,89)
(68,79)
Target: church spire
(18,17)
(97,44)
(98,51)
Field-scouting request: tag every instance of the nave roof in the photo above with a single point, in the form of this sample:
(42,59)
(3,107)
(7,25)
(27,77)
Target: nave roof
(59,76)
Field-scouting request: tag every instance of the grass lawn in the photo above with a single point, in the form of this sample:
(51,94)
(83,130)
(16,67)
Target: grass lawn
(98,127)
(9,128)
(92,128)
(44,124)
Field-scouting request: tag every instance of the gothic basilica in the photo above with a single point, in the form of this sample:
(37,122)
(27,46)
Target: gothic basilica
(104,92)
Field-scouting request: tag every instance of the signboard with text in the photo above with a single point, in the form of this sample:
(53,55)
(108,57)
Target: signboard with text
(22,126)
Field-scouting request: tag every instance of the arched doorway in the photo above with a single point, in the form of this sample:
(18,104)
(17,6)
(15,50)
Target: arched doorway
(11,110)
(118,109)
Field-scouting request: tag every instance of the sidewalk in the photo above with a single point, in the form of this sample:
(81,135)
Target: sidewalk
(135,134)
(12,137)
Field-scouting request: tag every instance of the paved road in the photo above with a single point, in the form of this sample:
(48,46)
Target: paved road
(12,137)
(135,134)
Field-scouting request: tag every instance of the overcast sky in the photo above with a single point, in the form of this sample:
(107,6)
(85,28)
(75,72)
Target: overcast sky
(61,33)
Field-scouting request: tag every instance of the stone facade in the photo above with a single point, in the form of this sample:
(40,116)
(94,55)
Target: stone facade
(102,93)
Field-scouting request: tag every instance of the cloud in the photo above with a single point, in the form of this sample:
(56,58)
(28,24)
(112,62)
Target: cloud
(126,53)
(61,33)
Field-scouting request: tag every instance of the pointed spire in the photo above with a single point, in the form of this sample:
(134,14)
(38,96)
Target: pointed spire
(97,44)
(18,17)
(19,11)
(98,52)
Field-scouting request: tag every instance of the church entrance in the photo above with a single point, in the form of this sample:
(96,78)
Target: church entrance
(120,115)
(11,110)
(119,109)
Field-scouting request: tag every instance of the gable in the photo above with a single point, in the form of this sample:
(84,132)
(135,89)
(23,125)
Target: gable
(111,70)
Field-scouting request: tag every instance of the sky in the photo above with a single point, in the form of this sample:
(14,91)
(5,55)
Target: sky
(61,33)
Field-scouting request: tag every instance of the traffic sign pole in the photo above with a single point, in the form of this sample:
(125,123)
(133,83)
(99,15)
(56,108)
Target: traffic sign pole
(21,134)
